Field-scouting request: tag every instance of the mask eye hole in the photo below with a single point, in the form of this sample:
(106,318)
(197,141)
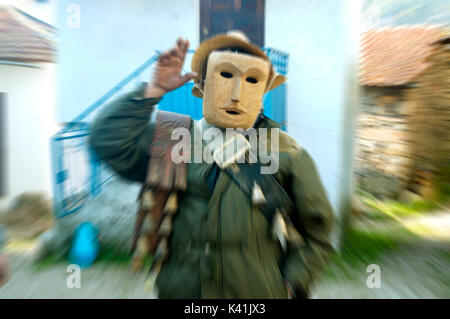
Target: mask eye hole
(251,80)
(226,74)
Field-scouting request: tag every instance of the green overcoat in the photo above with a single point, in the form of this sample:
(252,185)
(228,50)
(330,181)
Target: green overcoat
(221,246)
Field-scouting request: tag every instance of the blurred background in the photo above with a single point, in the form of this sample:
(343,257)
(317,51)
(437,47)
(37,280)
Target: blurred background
(368,95)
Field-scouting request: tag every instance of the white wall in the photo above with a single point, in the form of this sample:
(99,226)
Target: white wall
(30,107)
(321,38)
(112,41)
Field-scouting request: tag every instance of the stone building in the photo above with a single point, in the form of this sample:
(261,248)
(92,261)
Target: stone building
(403,123)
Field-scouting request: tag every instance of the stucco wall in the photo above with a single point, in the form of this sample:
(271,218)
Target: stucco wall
(30,108)
(321,38)
(112,41)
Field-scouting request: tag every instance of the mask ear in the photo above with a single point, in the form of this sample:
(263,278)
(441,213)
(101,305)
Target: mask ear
(275,80)
(197,90)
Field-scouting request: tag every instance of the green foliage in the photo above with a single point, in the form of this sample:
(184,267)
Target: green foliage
(49,260)
(113,254)
(361,248)
(442,182)
(381,209)
(110,254)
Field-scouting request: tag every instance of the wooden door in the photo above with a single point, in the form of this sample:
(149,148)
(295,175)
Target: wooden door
(219,16)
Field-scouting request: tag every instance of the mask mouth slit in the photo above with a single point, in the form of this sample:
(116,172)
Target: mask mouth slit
(233,112)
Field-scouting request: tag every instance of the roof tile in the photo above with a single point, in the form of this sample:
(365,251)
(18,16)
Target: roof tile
(395,56)
(20,42)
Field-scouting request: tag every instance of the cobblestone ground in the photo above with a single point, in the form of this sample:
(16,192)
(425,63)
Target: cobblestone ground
(99,281)
(412,272)
(417,269)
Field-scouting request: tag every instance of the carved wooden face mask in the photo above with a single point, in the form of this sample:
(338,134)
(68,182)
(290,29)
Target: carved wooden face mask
(234,87)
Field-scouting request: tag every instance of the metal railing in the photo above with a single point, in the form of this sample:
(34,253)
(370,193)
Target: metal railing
(78,174)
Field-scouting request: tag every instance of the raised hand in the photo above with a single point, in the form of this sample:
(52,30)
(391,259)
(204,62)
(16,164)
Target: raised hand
(167,75)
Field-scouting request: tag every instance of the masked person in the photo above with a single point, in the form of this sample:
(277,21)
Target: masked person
(234,232)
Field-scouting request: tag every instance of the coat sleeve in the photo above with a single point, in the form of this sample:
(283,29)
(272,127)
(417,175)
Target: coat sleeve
(121,134)
(313,217)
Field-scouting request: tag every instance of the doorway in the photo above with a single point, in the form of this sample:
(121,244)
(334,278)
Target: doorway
(220,16)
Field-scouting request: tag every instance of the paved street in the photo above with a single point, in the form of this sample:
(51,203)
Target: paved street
(417,269)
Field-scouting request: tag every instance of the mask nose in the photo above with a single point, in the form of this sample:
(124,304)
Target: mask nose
(236,93)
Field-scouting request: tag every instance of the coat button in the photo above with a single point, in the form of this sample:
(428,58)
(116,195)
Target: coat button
(189,246)
(207,249)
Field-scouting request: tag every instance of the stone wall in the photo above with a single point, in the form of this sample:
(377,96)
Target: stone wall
(403,134)
(383,162)
(430,126)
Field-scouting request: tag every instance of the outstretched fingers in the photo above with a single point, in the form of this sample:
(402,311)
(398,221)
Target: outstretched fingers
(164,57)
(176,53)
(183,45)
